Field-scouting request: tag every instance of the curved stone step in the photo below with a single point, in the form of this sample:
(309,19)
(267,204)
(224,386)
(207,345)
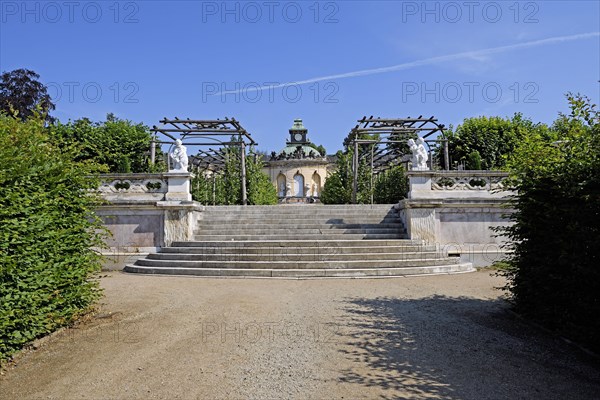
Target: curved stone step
(338,242)
(287,264)
(305,273)
(281,250)
(322,255)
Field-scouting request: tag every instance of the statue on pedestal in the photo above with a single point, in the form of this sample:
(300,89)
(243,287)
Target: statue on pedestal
(419,154)
(179,157)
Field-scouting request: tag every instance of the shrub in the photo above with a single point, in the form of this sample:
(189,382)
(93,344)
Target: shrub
(47,230)
(553,274)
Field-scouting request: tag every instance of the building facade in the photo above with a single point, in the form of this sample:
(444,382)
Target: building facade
(299,170)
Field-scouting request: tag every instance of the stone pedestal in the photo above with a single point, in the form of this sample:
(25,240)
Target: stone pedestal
(178,184)
(419,184)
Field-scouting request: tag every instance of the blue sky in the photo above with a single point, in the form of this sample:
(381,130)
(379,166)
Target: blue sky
(145,60)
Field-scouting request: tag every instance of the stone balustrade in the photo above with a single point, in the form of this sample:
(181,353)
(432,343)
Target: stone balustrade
(145,212)
(457,211)
(457,184)
(126,187)
(468,180)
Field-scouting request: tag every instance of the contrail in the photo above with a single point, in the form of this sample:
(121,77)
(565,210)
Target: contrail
(426,61)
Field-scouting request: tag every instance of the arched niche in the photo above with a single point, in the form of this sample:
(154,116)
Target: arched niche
(298,189)
(315,187)
(281,185)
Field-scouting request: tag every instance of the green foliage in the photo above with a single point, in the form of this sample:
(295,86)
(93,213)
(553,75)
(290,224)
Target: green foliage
(320,148)
(493,138)
(23,94)
(338,186)
(391,186)
(553,274)
(225,188)
(260,189)
(119,144)
(47,230)
(474,161)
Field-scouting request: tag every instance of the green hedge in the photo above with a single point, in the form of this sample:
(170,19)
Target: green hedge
(47,229)
(554,273)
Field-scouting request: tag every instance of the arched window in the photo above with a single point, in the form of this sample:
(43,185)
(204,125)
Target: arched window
(298,190)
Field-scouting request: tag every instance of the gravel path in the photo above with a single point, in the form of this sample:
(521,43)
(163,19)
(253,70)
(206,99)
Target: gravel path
(435,337)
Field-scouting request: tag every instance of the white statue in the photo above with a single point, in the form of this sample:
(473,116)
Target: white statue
(282,190)
(288,190)
(179,157)
(419,154)
(315,193)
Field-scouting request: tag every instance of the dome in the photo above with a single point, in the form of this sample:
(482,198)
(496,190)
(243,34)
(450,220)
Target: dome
(307,151)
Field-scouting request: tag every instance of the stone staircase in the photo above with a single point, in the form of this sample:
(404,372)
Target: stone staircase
(299,241)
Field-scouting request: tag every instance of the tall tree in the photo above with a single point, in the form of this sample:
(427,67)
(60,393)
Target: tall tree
(121,145)
(493,138)
(21,91)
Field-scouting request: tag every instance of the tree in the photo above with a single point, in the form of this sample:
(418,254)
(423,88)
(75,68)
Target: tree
(21,92)
(226,184)
(338,187)
(391,186)
(121,145)
(553,273)
(494,138)
(260,189)
(320,148)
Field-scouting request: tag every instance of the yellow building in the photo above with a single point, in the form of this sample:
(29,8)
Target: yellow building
(299,170)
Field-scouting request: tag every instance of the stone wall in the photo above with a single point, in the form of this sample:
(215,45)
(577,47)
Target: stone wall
(457,210)
(145,212)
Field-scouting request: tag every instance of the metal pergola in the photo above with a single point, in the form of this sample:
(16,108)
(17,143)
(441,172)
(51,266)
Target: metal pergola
(206,133)
(391,132)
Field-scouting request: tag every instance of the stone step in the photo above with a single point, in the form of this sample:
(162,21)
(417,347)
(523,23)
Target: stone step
(301,207)
(287,264)
(328,255)
(301,212)
(272,217)
(299,243)
(295,221)
(285,251)
(285,231)
(217,227)
(305,273)
(291,237)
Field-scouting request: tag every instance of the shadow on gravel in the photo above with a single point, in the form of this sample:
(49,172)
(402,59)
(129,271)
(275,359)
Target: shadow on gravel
(458,348)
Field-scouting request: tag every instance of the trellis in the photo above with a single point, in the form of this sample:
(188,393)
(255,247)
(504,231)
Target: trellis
(205,133)
(388,131)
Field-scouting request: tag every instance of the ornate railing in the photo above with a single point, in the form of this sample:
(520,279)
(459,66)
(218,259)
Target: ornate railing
(468,180)
(133,183)
(126,186)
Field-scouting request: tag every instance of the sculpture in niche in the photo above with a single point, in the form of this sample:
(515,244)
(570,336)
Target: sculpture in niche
(288,190)
(419,154)
(179,157)
(282,190)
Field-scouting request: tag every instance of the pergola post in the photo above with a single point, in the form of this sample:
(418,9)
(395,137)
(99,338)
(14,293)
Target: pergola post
(355,172)
(243,161)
